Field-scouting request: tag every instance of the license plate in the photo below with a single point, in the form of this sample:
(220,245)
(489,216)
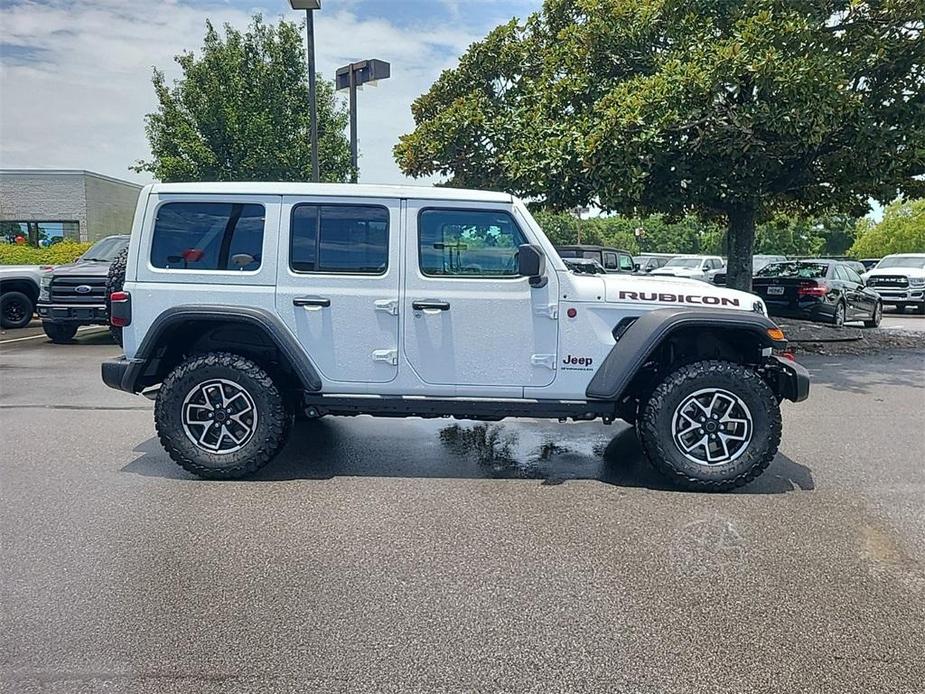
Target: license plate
(775,291)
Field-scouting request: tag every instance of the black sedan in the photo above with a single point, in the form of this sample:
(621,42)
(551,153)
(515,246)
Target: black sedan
(828,291)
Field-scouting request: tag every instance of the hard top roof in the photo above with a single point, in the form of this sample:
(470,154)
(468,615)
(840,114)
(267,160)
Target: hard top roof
(333,190)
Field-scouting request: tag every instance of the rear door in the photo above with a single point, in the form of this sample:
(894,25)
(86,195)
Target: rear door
(338,284)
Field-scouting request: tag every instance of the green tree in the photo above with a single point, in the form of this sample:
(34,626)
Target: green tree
(240,112)
(902,230)
(732,110)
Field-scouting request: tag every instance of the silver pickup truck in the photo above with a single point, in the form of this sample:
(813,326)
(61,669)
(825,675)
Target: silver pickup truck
(19,291)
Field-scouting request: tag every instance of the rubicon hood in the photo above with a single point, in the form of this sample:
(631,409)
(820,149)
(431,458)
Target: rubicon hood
(652,291)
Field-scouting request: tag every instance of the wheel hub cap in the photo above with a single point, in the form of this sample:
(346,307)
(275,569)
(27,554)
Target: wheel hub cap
(219,416)
(712,426)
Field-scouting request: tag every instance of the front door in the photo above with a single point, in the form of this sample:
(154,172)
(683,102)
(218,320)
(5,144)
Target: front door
(338,284)
(469,318)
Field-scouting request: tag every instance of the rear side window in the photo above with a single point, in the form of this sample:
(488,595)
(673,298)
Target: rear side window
(339,238)
(468,243)
(610,261)
(208,236)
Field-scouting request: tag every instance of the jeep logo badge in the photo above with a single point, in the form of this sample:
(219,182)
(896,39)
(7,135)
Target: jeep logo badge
(82,289)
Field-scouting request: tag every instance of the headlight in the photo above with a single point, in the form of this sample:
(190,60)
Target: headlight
(917,281)
(44,288)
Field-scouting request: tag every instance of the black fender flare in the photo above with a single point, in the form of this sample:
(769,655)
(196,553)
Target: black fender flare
(637,343)
(269,323)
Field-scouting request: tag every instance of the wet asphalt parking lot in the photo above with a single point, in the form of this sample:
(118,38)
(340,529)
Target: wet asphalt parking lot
(411,555)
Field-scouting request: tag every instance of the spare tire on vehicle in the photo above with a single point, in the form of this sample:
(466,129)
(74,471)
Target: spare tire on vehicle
(115,280)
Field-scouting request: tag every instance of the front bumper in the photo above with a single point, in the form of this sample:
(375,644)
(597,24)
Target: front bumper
(791,379)
(908,296)
(82,314)
(121,373)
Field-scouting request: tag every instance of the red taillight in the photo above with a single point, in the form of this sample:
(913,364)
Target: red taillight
(120,309)
(813,289)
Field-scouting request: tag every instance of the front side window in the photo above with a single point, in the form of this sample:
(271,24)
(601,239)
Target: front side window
(339,238)
(626,263)
(208,236)
(468,243)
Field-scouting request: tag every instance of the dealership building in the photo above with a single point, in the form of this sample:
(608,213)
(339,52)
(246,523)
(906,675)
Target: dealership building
(41,206)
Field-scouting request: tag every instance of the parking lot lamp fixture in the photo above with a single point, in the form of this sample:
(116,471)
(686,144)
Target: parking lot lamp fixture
(356,75)
(310,6)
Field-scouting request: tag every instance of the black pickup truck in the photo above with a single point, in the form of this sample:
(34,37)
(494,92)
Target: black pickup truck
(75,294)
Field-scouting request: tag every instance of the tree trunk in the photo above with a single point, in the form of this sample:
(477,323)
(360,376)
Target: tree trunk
(740,242)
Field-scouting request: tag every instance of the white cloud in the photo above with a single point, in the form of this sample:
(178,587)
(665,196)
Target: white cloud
(76,77)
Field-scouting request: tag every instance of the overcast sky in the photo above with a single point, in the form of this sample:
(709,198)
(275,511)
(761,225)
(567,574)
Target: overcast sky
(75,81)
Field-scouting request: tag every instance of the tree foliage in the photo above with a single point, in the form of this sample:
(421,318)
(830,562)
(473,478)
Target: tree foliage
(902,230)
(240,112)
(733,110)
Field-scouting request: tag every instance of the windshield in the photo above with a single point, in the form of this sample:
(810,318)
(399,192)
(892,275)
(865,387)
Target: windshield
(915,261)
(684,262)
(804,270)
(105,250)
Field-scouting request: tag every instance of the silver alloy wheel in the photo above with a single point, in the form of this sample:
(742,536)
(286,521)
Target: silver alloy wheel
(712,426)
(840,315)
(219,416)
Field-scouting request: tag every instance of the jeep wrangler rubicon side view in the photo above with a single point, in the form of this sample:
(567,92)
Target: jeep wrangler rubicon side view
(244,304)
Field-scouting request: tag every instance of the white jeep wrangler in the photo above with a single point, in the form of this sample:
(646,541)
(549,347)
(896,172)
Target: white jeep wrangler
(244,304)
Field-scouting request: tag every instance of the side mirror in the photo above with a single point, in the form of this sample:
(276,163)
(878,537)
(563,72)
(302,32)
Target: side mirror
(531,263)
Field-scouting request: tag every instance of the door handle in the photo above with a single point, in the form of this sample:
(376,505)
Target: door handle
(430,304)
(318,301)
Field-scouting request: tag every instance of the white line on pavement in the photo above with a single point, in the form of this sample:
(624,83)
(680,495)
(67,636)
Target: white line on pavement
(43,335)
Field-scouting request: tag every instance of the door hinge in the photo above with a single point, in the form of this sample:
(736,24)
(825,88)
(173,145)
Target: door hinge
(390,306)
(547,360)
(549,311)
(390,356)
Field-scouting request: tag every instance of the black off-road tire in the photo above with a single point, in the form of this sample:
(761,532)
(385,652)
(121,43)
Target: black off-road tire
(874,321)
(16,310)
(270,433)
(59,333)
(665,455)
(115,280)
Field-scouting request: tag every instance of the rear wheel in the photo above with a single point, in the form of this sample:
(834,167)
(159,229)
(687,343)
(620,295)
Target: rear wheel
(221,416)
(59,333)
(840,313)
(16,310)
(875,319)
(711,426)
(115,280)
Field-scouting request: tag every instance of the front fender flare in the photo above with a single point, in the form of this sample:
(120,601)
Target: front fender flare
(638,342)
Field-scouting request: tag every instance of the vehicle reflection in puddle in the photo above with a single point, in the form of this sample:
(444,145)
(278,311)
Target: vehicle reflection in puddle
(504,451)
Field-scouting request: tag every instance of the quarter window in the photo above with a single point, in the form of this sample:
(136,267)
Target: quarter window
(468,243)
(339,238)
(208,236)
(626,263)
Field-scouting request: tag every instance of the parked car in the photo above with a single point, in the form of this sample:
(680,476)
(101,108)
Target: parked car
(827,291)
(75,294)
(19,291)
(900,281)
(584,266)
(758,262)
(855,265)
(611,259)
(695,267)
(248,302)
(651,261)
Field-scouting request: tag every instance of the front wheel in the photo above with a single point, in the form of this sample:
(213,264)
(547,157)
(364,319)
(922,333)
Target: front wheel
(875,319)
(16,310)
(59,333)
(711,426)
(221,416)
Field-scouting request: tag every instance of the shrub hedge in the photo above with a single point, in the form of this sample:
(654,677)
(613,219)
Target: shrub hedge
(56,254)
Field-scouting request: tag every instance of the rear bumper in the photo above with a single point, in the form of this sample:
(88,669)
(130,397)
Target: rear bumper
(792,379)
(121,373)
(81,314)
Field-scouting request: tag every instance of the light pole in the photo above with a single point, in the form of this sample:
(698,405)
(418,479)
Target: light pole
(356,75)
(310,6)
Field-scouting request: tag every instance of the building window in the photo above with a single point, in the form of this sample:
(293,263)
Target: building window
(39,234)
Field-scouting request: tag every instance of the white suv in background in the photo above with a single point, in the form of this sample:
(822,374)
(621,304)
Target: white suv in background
(899,279)
(692,267)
